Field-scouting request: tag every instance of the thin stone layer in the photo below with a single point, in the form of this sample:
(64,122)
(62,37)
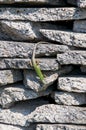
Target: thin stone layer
(79,3)
(58,114)
(42,14)
(72,57)
(66,37)
(72,84)
(10,76)
(66,98)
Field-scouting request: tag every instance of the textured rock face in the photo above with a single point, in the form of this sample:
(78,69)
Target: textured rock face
(49,2)
(45,64)
(58,114)
(72,57)
(48,14)
(65,98)
(72,84)
(66,37)
(14,93)
(60,127)
(24,50)
(10,76)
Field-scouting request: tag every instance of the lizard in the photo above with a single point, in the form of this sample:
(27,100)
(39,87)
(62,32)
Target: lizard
(35,64)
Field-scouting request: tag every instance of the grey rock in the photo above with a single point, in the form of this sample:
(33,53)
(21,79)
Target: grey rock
(17,115)
(79,3)
(66,98)
(79,26)
(42,14)
(24,50)
(44,63)
(32,81)
(49,2)
(66,37)
(17,92)
(72,84)
(72,57)
(24,30)
(52,113)
(10,76)
(83,69)
(59,127)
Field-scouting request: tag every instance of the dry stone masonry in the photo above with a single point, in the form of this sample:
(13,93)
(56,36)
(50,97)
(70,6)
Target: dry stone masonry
(25,103)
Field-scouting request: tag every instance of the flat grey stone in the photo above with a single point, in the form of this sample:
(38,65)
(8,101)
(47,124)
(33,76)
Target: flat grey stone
(79,3)
(18,114)
(58,114)
(83,69)
(42,14)
(72,57)
(66,98)
(10,76)
(79,26)
(65,37)
(17,92)
(44,63)
(32,81)
(24,30)
(24,50)
(72,84)
(49,2)
(59,127)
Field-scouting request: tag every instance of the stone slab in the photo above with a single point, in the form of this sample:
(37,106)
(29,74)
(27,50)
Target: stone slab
(72,57)
(44,63)
(66,37)
(17,92)
(49,2)
(58,114)
(32,81)
(24,50)
(18,114)
(66,98)
(72,84)
(10,76)
(59,127)
(79,3)
(79,26)
(24,30)
(42,14)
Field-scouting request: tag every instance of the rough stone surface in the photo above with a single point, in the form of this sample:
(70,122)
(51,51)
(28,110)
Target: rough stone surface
(72,84)
(58,114)
(59,127)
(24,30)
(32,81)
(49,2)
(72,57)
(42,14)
(65,98)
(17,92)
(24,50)
(18,114)
(79,3)
(11,127)
(79,26)
(10,76)
(45,64)
(65,37)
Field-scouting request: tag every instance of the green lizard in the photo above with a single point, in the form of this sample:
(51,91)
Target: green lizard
(35,65)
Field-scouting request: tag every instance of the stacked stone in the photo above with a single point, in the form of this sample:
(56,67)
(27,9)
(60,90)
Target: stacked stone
(62,59)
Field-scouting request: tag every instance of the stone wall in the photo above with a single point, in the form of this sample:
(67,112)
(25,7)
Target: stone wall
(24,102)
